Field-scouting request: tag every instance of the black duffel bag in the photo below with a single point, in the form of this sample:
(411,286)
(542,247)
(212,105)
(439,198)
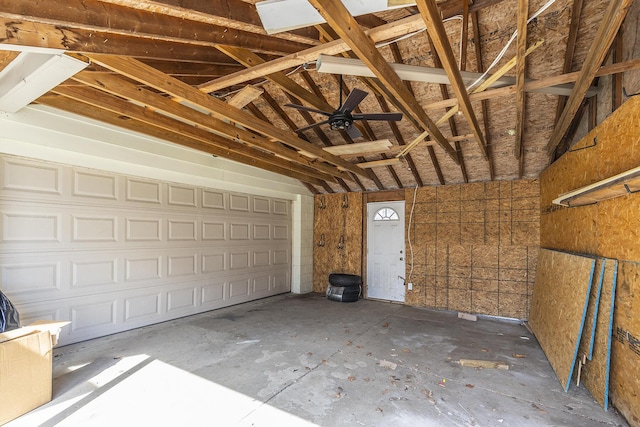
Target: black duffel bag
(9,317)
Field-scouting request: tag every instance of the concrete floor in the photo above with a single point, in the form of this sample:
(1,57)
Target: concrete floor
(304,360)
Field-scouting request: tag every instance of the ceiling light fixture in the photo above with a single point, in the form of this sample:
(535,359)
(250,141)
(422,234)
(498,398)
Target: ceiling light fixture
(355,67)
(31,75)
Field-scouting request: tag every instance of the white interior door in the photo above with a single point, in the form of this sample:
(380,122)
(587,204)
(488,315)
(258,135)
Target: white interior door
(385,251)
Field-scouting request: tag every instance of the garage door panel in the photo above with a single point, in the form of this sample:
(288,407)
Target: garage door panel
(111,252)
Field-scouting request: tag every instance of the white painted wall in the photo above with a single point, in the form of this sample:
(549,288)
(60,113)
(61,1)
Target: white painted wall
(45,133)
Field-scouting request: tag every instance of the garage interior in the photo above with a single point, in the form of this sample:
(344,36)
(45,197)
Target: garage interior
(180,179)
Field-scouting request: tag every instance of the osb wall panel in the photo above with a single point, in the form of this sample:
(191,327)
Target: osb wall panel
(337,234)
(559,305)
(475,246)
(608,229)
(595,373)
(625,356)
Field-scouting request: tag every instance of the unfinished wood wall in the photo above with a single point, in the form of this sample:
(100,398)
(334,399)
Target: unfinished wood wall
(337,234)
(609,229)
(475,246)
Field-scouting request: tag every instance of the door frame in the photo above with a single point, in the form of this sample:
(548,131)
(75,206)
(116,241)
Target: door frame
(373,197)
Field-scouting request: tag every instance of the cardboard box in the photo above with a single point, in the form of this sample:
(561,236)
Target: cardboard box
(26,368)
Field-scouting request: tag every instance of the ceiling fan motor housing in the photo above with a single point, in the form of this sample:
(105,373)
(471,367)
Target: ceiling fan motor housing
(341,120)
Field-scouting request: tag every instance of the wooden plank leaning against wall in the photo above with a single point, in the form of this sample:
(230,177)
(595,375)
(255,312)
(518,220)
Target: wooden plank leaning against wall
(607,229)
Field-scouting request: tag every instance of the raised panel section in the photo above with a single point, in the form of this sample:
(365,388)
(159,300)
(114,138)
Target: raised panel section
(141,306)
(213,199)
(212,263)
(280,257)
(280,207)
(94,229)
(90,316)
(182,230)
(142,268)
(280,232)
(261,232)
(261,259)
(30,277)
(143,229)
(261,284)
(238,260)
(182,265)
(239,231)
(181,299)
(92,273)
(281,282)
(94,185)
(143,191)
(212,293)
(182,196)
(261,204)
(30,228)
(239,202)
(238,288)
(213,230)
(31,177)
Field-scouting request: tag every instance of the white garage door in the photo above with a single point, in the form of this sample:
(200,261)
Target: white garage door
(111,252)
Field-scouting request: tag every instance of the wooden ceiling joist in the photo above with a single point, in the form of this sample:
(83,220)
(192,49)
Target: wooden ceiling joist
(235,14)
(104,20)
(382,33)
(146,75)
(344,25)
(110,109)
(609,26)
(521,61)
(250,59)
(431,14)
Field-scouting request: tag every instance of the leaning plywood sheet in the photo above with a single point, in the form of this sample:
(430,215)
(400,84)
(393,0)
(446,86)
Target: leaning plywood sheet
(625,351)
(595,373)
(559,306)
(590,321)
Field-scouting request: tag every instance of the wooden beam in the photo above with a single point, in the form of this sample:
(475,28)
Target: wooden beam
(219,109)
(343,23)
(430,13)
(606,70)
(384,32)
(576,11)
(616,84)
(156,102)
(361,148)
(521,60)
(104,20)
(106,108)
(378,163)
(246,95)
(451,120)
(250,59)
(609,26)
(401,142)
(24,33)
(6,56)
(464,42)
(234,14)
(484,103)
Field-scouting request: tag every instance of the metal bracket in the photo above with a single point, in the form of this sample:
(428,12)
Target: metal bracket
(341,242)
(595,142)
(321,242)
(630,191)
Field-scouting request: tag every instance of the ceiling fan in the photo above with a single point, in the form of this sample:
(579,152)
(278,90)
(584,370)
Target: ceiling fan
(342,118)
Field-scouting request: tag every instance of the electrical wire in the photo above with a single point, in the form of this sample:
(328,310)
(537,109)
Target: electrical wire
(504,49)
(413,205)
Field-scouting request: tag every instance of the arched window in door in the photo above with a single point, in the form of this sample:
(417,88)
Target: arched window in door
(386,214)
